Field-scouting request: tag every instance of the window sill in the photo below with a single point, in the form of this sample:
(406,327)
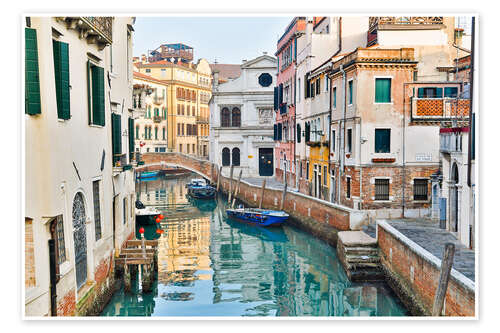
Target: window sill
(383,103)
(96,126)
(64,268)
(422,201)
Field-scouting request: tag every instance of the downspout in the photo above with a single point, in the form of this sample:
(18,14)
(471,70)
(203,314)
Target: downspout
(342,131)
(471,92)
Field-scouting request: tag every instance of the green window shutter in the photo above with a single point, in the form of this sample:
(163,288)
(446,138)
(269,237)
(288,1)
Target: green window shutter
(131,139)
(98,95)
(89,105)
(350,92)
(116,138)
(382,140)
(31,73)
(156,133)
(382,90)
(450,92)
(61,73)
(163,133)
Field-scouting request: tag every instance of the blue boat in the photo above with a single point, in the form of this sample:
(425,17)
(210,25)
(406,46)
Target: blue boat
(199,189)
(261,217)
(147,174)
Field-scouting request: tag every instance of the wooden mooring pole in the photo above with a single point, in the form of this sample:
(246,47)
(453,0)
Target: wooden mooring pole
(282,205)
(444,277)
(218,178)
(237,190)
(262,193)
(230,184)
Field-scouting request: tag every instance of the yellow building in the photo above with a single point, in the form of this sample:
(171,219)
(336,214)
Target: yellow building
(188,94)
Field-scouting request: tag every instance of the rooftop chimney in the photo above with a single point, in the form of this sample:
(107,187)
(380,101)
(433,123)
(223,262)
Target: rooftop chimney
(265,52)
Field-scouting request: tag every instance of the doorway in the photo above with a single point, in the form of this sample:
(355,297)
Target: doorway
(266,162)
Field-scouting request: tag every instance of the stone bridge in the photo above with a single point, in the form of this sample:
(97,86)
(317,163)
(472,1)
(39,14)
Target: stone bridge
(157,161)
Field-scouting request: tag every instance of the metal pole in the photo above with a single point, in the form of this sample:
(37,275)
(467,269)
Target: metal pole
(284,194)
(218,178)
(237,189)
(53,277)
(230,184)
(444,277)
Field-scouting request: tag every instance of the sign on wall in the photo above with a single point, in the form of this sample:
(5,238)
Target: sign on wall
(423,157)
(265,116)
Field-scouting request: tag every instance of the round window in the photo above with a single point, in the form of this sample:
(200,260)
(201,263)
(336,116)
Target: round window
(265,79)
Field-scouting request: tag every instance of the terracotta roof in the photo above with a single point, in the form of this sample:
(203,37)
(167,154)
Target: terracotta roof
(227,71)
(147,77)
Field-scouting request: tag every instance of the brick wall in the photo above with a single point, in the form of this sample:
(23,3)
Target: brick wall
(66,306)
(29,253)
(414,274)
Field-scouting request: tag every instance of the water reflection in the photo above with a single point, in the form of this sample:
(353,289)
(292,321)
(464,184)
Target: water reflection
(212,266)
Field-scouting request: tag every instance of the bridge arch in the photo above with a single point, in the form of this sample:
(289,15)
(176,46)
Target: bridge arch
(199,166)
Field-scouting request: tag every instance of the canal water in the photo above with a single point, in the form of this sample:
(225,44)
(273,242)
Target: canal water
(209,265)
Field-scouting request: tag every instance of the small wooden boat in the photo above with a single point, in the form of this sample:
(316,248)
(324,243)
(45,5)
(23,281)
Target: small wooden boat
(199,189)
(145,215)
(261,217)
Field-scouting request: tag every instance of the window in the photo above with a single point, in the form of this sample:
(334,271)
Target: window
(333,140)
(116,139)
(265,80)
(382,90)
(280,131)
(334,97)
(236,156)
(95,94)
(226,158)
(61,73)
(31,77)
(307,170)
(97,209)
(163,133)
(137,131)
(180,147)
(326,83)
(61,248)
(225,118)
(124,210)
(156,133)
(451,92)
(420,189)
(318,86)
(148,70)
(381,189)
(187,147)
(325,175)
(312,89)
(349,140)
(382,140)
(348,190)
(298,85)
(430,92)
(350,91)
(299,133)
(236,117)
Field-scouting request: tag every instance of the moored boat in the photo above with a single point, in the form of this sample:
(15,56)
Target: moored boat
(199,189)
(147,174)
(145,215)
(261,217)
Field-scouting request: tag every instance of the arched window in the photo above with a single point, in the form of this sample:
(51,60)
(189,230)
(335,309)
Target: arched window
(226,158)
(225,118)
(236,117)
(236,156)
(80,239)
(157,112)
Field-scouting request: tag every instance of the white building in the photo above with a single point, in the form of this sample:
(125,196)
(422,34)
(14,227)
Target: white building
(79,177)
(241,119)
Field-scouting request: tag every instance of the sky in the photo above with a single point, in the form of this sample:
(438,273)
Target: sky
(227,39)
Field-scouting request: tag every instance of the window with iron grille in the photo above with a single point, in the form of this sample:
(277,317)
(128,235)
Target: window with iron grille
(97,209)
(381,189)
(420,189)
(61,248)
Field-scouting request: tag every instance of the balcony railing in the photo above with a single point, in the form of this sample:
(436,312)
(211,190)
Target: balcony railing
(200,119)
(439,108)
(283,108)
(102,25)
(96,29)
(400,22)
(450,142)
(156,119)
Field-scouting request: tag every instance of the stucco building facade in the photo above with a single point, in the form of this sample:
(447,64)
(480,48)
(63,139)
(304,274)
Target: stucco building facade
(241,120)
(79,177)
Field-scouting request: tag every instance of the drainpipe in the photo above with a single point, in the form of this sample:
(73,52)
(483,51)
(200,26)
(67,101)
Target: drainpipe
(471,92)
(342,132)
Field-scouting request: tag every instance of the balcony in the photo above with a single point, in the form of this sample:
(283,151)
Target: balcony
(203,120)
(158,99)
(157,119)
(451,139)
(439,109)
(401,23)
(96,29)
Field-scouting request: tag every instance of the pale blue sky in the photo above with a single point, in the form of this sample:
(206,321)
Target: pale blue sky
(229,39)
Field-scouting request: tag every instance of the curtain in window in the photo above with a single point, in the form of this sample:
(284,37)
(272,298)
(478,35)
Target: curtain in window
(225,118)
(226,158)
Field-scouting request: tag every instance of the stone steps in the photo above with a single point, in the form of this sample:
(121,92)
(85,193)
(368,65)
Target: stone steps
(359,255)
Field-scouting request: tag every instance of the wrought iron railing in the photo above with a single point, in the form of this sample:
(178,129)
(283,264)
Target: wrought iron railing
(405,20)
(103,25)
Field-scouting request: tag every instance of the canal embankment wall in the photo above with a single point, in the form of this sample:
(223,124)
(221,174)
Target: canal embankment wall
(413,273)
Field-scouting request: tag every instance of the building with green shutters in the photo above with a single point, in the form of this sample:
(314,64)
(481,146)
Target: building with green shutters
(79,158)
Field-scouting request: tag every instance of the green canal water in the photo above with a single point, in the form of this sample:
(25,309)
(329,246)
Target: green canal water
(209,265)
